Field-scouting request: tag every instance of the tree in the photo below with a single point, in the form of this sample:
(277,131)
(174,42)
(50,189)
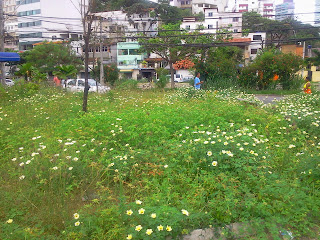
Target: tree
(48,56)
(31,73)
(170,44)
(66,71)
(271,67)
(279,32)
(87,20)
(169,14)
(219,65)
(111,73)
(183,64)
(112,5)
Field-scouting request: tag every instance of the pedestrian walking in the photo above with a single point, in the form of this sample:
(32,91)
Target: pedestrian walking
(197,82)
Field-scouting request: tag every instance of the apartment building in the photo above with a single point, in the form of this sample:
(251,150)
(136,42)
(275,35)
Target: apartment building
(119,44)
(232,21)
(317,13)
(40,20)
(264,7)
(285,10)
(200,5)
(215,20)
(10,24)
(184,4)
(197,6)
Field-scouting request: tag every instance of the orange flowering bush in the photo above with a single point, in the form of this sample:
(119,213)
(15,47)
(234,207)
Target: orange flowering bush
(183,64)
(272,67)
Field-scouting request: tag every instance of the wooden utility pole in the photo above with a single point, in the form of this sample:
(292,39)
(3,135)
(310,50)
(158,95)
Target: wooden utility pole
(2,75)
(87,19)
(101,55)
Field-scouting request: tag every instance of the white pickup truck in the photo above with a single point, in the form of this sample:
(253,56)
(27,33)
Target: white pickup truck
(77,85)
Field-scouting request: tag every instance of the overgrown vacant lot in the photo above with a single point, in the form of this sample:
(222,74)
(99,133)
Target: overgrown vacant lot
(146,165)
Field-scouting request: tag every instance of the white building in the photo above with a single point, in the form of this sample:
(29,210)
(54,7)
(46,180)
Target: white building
(10,24)
(215,20)
(197,6)
(264,7)
(200,5)
(258,42)
(40,20)
(285,10)
(119,44)
(317,13)
(184,4)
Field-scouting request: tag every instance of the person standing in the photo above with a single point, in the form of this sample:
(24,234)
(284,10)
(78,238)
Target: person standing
(307,86)
(197,82)
(57,81)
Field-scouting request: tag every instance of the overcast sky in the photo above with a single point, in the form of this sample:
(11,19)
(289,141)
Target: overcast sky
(301,6)
(305,6)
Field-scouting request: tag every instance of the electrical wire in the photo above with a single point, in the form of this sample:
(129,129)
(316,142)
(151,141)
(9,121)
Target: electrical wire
(172,19)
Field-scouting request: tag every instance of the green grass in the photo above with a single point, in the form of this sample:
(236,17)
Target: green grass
(204,152)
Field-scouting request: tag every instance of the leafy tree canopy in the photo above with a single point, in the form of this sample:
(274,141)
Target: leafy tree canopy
(278,30)
(174,44)
(162,10)
(48,56)
(273,67)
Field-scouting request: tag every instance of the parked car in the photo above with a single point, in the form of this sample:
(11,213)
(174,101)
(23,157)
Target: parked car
(177,77)
(9,82)
(187,78)
(77,85)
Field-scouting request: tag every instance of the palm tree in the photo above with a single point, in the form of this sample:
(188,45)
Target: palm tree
(65,71)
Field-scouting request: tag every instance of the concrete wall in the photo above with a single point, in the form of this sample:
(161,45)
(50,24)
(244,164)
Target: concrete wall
(295,49)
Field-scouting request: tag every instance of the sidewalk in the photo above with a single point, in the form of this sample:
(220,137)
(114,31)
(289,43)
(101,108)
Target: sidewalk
(269,98)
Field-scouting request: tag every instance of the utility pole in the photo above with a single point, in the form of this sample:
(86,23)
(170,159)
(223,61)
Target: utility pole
(2,75)
(101,55)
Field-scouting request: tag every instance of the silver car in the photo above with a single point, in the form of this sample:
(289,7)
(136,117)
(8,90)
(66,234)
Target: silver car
(77,85)
(9,82)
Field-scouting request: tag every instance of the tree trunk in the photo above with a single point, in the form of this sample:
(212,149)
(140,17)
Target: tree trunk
(172,74)
(86,73)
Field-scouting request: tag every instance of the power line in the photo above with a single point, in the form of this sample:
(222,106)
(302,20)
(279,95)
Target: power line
(172,19)
(174,30)
(225,43)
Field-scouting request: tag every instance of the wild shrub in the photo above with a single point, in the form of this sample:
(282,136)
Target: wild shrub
(126,84)
(219,68)
(162,82)
(270,68)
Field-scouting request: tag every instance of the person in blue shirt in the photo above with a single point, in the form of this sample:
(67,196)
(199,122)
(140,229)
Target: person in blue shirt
(197,82)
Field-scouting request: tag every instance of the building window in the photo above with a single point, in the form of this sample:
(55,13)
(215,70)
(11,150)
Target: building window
(22,2)
(210,14)
(122,51)
(28,13)
(210,26)
(257,37)
(200,5)
(31,35)
(187,2)
(206,5)
(182,3)
(235,30)
(105,49)
(133,52)
(235,19)
(188,27)
(254,51)
(29,24)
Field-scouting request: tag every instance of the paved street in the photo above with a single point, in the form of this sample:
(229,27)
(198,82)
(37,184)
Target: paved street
(268,98)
